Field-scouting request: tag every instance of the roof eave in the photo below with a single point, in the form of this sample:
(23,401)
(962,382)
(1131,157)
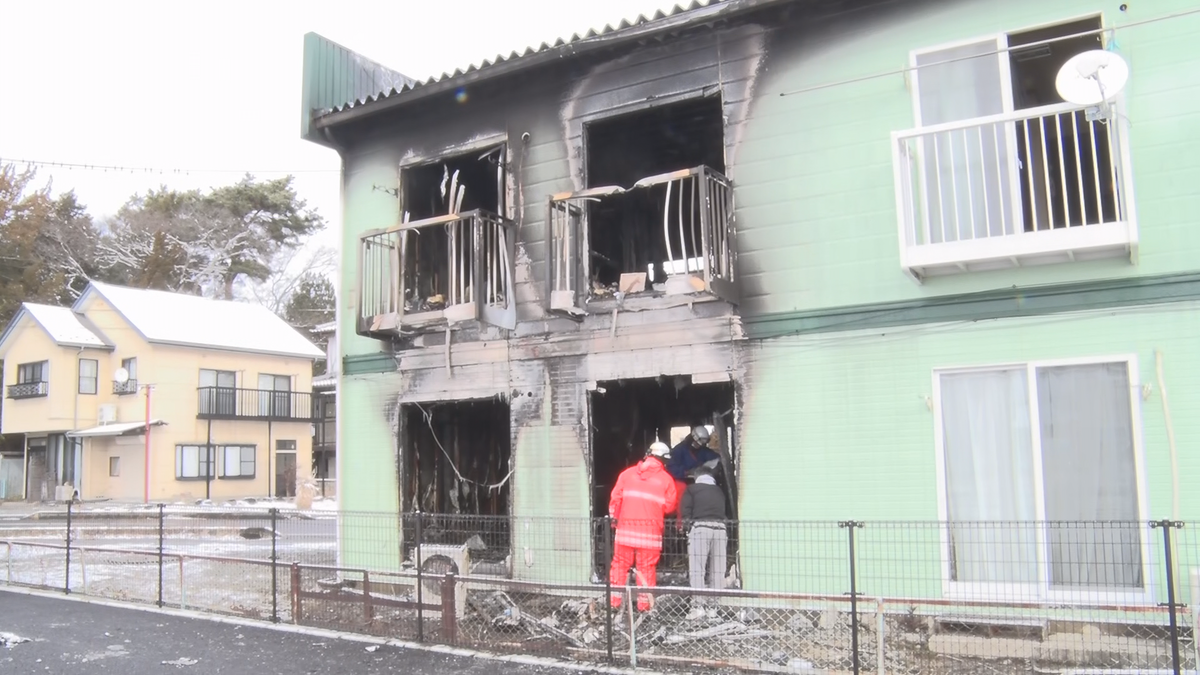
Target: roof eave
(222,348)
(81,345)
(401,98)
(12,326)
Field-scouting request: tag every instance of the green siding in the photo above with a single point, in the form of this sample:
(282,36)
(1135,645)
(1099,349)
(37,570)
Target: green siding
(837,428)
(335,76)
(1007,302)
(550,504)
(816,205)
(369,526)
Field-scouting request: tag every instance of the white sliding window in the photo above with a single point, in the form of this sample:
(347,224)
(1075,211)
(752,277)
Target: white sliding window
(1040,478)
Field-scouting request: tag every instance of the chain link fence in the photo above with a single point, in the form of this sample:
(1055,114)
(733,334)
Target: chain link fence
(789,597)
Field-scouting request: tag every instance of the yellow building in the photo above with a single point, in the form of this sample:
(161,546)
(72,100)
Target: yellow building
(223,388)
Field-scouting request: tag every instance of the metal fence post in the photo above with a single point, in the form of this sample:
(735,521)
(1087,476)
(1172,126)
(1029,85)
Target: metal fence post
(850,526)
(1171,604)
(161,518)
(449,609)
(368,609)
(67,577)
(606,536)
(297,607)
(274,566)
(420,601)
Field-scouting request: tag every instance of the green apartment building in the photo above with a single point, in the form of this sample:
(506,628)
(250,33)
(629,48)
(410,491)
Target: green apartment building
(867,240)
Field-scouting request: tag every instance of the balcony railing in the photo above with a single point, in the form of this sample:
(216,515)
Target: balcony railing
(28,390)
(438,270)
(124,388)
(698,231)
(1034,186)
(228,403)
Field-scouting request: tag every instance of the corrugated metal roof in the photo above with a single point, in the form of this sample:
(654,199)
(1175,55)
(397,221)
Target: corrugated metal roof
(678,16)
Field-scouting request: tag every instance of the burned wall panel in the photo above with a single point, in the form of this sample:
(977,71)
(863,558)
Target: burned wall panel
(724,62)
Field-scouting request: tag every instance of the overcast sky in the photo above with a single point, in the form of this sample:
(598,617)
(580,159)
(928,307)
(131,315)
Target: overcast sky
(214,87)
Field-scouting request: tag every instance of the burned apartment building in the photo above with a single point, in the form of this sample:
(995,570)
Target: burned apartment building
(841,232)
(541,270)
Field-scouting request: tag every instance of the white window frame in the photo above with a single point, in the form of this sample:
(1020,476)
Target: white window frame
(1042,591)
(1126,199)
(1000,40)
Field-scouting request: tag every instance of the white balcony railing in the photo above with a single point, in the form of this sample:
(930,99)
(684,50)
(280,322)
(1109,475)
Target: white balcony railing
(1042,185)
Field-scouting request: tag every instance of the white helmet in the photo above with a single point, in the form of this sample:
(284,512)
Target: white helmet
(660,450)
(701,434)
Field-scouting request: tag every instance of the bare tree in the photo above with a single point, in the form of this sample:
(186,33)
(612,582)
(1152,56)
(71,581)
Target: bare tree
(289,267)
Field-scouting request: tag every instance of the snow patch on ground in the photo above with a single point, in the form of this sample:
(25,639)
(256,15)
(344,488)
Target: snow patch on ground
(10,640)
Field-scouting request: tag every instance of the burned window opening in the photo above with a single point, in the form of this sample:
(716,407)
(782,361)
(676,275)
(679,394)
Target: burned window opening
(649,230)
(450,257)
(437,258)
(456,459)
(627,416)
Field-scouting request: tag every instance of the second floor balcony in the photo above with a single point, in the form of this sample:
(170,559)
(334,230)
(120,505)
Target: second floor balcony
(670,233)
(229,403)
(28,390)
(1034,186)
(437,271)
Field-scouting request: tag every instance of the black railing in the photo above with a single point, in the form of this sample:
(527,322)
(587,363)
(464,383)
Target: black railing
(29,390)
(125,388)
(229,403)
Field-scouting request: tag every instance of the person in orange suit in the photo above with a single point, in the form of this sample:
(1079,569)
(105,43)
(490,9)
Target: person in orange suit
(641,499)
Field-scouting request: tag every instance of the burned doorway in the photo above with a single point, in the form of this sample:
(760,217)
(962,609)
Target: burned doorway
(1066,159)
(628,415)
(456,463)
(627,230)
(439,256)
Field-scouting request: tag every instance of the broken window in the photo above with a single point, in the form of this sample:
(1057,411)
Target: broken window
(456,468)
(628,415)
(449,259)
(657,214)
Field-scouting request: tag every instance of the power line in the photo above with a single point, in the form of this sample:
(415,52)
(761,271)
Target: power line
(994,52)
(113,168)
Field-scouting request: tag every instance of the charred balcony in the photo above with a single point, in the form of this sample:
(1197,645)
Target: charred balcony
(691,247)
(656,216)
(450,258)
(264,405)
(437,271)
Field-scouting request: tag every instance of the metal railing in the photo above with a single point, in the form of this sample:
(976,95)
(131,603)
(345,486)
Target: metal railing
(231,403)
(822,596)
(124,388)
(28,390)
(1032,182)
(447,268)
(698,216)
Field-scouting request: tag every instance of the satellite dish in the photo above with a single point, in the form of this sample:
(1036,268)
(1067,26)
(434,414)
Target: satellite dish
(121,376)
(1092,77)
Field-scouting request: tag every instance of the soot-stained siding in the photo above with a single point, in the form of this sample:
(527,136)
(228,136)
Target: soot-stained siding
(541,114)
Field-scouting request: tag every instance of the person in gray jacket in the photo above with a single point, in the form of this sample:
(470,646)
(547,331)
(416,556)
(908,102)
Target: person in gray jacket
(703,510)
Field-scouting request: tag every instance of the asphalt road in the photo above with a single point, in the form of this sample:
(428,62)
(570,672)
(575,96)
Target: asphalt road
(69,638)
